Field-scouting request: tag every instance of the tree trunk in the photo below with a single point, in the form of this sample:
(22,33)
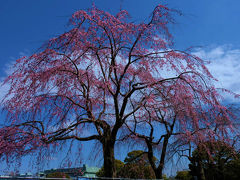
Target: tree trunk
(201,171)
(108,154)
(150,156)
(159,171)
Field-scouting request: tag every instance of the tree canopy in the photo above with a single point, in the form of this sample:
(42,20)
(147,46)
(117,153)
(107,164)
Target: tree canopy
(105,77)
(183,175)
(58,175)
(135,166)
(217,160)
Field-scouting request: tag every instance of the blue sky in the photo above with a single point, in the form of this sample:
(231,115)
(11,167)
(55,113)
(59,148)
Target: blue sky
(26,24)
(212,25)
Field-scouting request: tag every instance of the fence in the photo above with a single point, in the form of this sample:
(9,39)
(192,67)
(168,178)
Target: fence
(77,178)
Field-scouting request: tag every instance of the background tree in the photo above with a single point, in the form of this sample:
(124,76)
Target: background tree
(118,166)
(165,177)
(138,156)
(183,175)
(137,166)
(87,82)
(58,175)
(231,169)
(214,159)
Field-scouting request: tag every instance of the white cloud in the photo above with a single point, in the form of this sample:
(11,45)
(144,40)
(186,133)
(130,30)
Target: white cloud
(7,69)
(224,66)
(3,89)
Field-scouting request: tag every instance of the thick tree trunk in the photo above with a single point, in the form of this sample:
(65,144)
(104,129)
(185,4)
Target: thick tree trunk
(150,156)
(108,154)
(201,171)
(159,171)
(158,174)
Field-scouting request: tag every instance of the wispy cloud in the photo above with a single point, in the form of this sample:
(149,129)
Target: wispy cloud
(3,89)
(224,66)
(6,70)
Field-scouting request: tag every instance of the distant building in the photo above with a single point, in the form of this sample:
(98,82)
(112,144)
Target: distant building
(26,175)
(90,171)
(84,171)
(17,176)
(3,177)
